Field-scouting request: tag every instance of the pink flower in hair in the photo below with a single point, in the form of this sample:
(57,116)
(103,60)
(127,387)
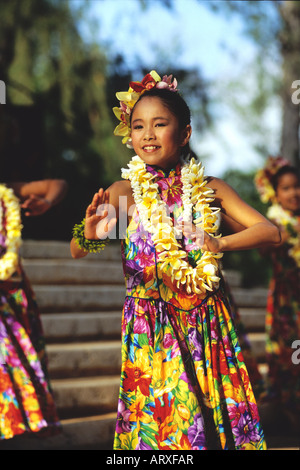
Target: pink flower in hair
(166,82)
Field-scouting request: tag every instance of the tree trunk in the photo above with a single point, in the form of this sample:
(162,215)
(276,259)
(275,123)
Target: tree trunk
(290,45)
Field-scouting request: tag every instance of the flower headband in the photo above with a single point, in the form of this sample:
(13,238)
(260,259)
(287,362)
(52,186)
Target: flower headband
(129,98)
(263,178)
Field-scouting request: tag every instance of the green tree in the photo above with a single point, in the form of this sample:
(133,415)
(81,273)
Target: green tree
(47,66)
(275,28)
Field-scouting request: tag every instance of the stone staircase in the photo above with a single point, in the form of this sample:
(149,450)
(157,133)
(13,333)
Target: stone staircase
(81,303)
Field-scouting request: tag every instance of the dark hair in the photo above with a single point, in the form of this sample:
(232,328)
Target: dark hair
(175,104)
(284,170)
(173,101)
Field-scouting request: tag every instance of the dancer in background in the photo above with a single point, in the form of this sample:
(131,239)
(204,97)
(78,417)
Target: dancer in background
(278,184)
(26,401)
(184,384)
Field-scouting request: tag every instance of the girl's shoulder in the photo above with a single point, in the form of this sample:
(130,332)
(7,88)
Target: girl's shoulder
(224,194)
(217,184)
(122,187)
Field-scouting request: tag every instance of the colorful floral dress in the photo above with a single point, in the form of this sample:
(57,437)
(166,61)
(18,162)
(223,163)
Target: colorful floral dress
(283,328)
(26,402)
(184,384)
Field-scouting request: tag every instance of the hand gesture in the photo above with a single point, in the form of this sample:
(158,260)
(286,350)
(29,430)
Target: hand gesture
(35,205)
(100,218)
(202,239)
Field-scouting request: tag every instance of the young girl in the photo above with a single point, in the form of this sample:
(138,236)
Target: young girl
(26,402)
(184,384)
(279,184)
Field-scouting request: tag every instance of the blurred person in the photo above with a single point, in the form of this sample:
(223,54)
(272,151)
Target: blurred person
(278,184)
(26,400)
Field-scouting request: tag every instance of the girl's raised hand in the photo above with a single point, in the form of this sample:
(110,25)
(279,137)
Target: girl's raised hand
(100,221)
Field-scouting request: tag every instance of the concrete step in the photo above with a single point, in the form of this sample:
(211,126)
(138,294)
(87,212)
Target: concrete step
(86,396)
(99,325)
(258,345)
(81,326)
(84,359)
(91,297)
(250,298)
(89,433)
(282,442)
(104,357)
(69,271)
(97,433)
(52,249)
(253,318)
(70,327)
(233,278)
(76,298)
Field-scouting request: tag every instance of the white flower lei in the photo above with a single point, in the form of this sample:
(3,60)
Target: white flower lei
(10,260)
(289,222)
(172,259)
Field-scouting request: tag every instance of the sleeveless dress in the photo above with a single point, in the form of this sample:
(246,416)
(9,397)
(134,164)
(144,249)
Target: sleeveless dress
(184,384)
(26,401)
(283,328)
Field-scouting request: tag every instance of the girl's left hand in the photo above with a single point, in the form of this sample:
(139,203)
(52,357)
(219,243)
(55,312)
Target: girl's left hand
(211,244)
(202,239)
(35,205)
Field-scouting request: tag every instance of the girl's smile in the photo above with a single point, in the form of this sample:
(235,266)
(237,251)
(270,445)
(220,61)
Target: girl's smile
(156,136)
(150,148)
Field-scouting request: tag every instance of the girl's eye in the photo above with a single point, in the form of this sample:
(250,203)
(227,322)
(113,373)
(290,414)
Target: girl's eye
(160,124)
(137,126)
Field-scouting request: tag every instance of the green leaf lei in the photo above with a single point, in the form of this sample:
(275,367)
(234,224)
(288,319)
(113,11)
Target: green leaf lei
(91,246)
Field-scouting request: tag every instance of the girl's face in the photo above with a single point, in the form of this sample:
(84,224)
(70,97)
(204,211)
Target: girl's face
(288,192)
(155,133)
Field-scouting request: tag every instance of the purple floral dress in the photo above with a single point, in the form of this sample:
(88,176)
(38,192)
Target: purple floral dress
(184,384)
(26,401)
(283,329)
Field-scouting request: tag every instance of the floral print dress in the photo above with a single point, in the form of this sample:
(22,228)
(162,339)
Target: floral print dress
(26,401)
(184,384)
(283,329)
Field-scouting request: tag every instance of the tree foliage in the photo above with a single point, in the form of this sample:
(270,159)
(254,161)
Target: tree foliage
(275,28)
(48,68)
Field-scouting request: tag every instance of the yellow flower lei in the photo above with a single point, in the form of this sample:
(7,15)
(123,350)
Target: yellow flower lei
(263,178)
(286,220)
(196,197)
(10,211)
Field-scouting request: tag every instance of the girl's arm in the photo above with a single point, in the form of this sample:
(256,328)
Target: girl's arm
(38,196)
(257,232)
(285,236)
(229,226)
